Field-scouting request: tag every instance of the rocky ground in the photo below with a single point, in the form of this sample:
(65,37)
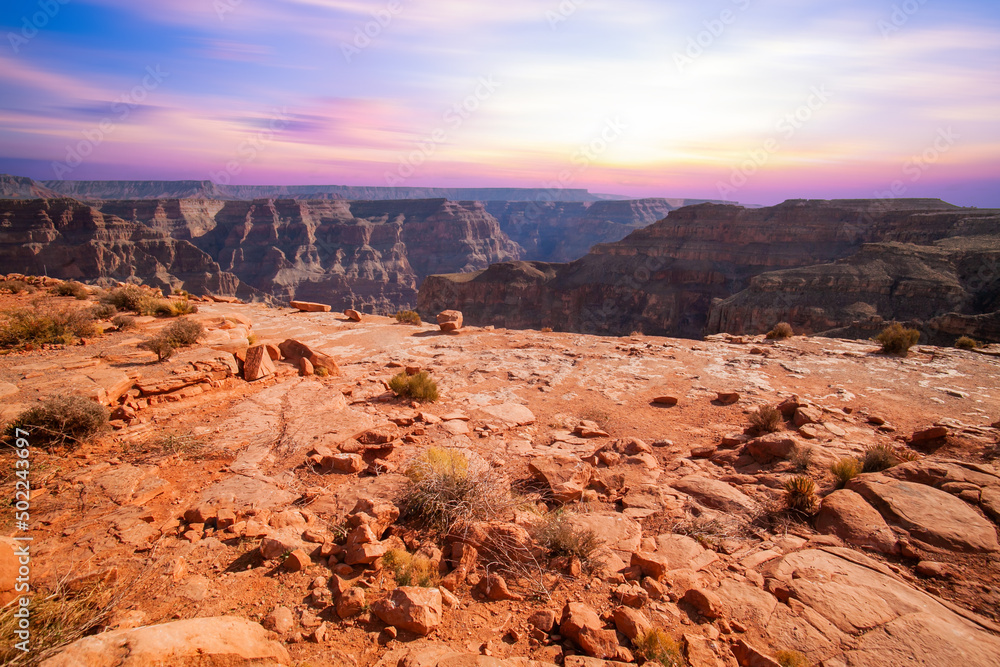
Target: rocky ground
(263,509)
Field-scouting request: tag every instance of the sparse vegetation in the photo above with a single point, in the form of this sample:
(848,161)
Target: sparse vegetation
(71,288)
(63,421)
(792,659)
(178,308)
(419,387)
(656,645)
(132,298)
(879,457)
(123,322)
(802,457)
(45,324)
(845,470)
(447,488)
(546,329)
(321,372)
(966,343)
(555,534)
(176,334)
(766,419)
(781,331)
(408,317)
(800,494)
(16,287)
(253,339)
(410,570)
(103,311)
(897,339)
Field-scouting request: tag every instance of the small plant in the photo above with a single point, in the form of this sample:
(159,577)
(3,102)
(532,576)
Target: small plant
(446,488)
(555,534)
(61,421)
(181,293)
(123,322)
(966,343)
(656,645)
(46,324)
(408,317)
(800,494)
(321,372)
(160,346)
(177,334)
(879,457)
(766,419)
(253,339)
(781,331)
(845,470)
(420,386)
(410,570)
(132,298)
(802,458)
(792,659)
(897,339)
(71,288)
(103,311)
(16,287)
(182,307)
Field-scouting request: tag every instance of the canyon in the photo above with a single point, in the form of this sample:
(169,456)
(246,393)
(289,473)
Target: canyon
(819,265)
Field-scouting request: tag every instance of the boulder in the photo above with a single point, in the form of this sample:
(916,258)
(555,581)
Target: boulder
(351,602)
(310,307)
(352,315)
(258,364)
(582,625)
(494,587)
(631,622)
(450,320)
(669,401)
(715,494)
(845,514)
(706,603)
(727,398)
(806,415)
(223,640)
(771,447)
(411,608)
(295,352)
(297,561)
(616,531)
(280,620)
(930,515)
(346,463)
(928,434)
(545,620)
(566,476)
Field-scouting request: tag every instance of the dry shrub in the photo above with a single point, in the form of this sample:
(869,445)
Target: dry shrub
(845,470)
(802,457)
(408,317)
(792,659)
(966,343)
(800,494)
(656,645)
(71,288)
(45,323)
(897,339)
(16,287)
(781,331)
(103,311)
(766,419)
(123,322)
(880,457)
(176,334)
(178,308)
(131,297)
(61,421)
(410,570)
(419,387)
(555,534)
(447,488)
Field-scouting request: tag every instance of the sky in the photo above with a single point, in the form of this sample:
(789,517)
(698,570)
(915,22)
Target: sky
(755,101)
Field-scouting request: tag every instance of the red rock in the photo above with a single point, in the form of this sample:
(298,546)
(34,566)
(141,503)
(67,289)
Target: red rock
(566,477)
(273,352)
(727,398)
(669,401)
(806,415)
(707,603)
(297,561)
(346,463)
(409,608)
(845,514)
(748,655)
(581,624)
(450,320)
(936,570)
(351,603)
(544,620)
(353,315)
(788,406)
(631,622)
(258,364)
(771,447)
(280,620)
(293,351)
(495,588)
(309,307)
(305,367)
(933,433)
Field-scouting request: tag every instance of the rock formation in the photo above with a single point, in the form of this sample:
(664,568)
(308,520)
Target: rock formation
(666,278)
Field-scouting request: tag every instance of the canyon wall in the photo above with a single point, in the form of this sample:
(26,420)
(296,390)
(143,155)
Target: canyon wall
(666,278)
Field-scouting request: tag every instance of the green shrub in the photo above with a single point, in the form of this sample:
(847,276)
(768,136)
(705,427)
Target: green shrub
(16,287)
(176,334)
(408,317)
(160,345)
(966,343)
(446,488)
(845,470)
(45,324)
(555,534)
(410,570)
(766,419)
(897,339)
(781,331)
(656,645)
(419,387)
(71,288)
(123,322)
(800,494)
(792,659)
(61,421)
(879,457)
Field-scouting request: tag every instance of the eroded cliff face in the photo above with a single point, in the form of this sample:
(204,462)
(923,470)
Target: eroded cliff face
(67,239)
(665,278)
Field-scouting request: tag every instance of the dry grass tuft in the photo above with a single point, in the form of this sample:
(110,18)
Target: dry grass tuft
(966,343)
(555,534)
(408,317)
(781,331)
(845,470)
(655,645)
(767,419)
(419,387)
(410,570)
(897,339)
(792,659)
(71,288)
(447,488)
(800,494)
(46,323)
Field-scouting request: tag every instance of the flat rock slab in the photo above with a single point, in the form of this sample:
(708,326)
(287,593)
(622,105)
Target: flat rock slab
(715,494)
(618,532)
(309,307)
(845,514)
(511,413)
(930,515)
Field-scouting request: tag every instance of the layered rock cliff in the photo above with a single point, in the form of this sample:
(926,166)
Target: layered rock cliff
(665,278)
(67,239)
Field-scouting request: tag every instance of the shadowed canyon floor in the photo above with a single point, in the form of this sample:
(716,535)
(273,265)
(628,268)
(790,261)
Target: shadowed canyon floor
(219,499)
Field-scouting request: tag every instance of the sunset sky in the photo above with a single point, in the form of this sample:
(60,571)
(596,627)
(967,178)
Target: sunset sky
(750,100)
